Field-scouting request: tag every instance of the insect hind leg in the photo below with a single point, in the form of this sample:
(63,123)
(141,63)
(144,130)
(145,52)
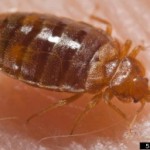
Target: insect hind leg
(93,17)
(108,29)
(55,105)
(101,20)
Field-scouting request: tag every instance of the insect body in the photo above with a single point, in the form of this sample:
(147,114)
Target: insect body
(64,55)
(48,51)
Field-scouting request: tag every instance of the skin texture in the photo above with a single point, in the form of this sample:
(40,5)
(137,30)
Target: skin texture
(19,100)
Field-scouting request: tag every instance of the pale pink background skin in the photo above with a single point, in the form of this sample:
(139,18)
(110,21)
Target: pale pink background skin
(130,19)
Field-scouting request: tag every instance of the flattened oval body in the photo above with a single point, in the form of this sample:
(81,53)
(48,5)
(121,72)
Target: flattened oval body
(51,52)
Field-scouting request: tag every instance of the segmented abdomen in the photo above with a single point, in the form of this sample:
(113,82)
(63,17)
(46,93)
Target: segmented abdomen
(48,51)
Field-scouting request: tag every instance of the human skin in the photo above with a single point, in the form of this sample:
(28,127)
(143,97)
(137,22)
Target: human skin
(102,128)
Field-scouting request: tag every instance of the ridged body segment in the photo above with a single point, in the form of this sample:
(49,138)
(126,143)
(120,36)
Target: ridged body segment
(48,51)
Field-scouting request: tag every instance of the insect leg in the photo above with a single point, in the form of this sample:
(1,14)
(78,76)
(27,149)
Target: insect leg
(136,51)
(101,20)
(137,113)
(93,17)
(125,48)
(116,109)
(93,102)
(108,27)
(55,105)
(107,96)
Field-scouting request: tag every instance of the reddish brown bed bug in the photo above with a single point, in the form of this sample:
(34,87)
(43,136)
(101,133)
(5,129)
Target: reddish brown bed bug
(63,55)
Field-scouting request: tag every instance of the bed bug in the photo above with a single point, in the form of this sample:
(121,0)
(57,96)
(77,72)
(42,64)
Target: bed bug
(64,55)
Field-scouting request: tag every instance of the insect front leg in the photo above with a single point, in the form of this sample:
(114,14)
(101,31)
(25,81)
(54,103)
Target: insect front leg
(137,113)
(55,105)
(93,102)
(107,96)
